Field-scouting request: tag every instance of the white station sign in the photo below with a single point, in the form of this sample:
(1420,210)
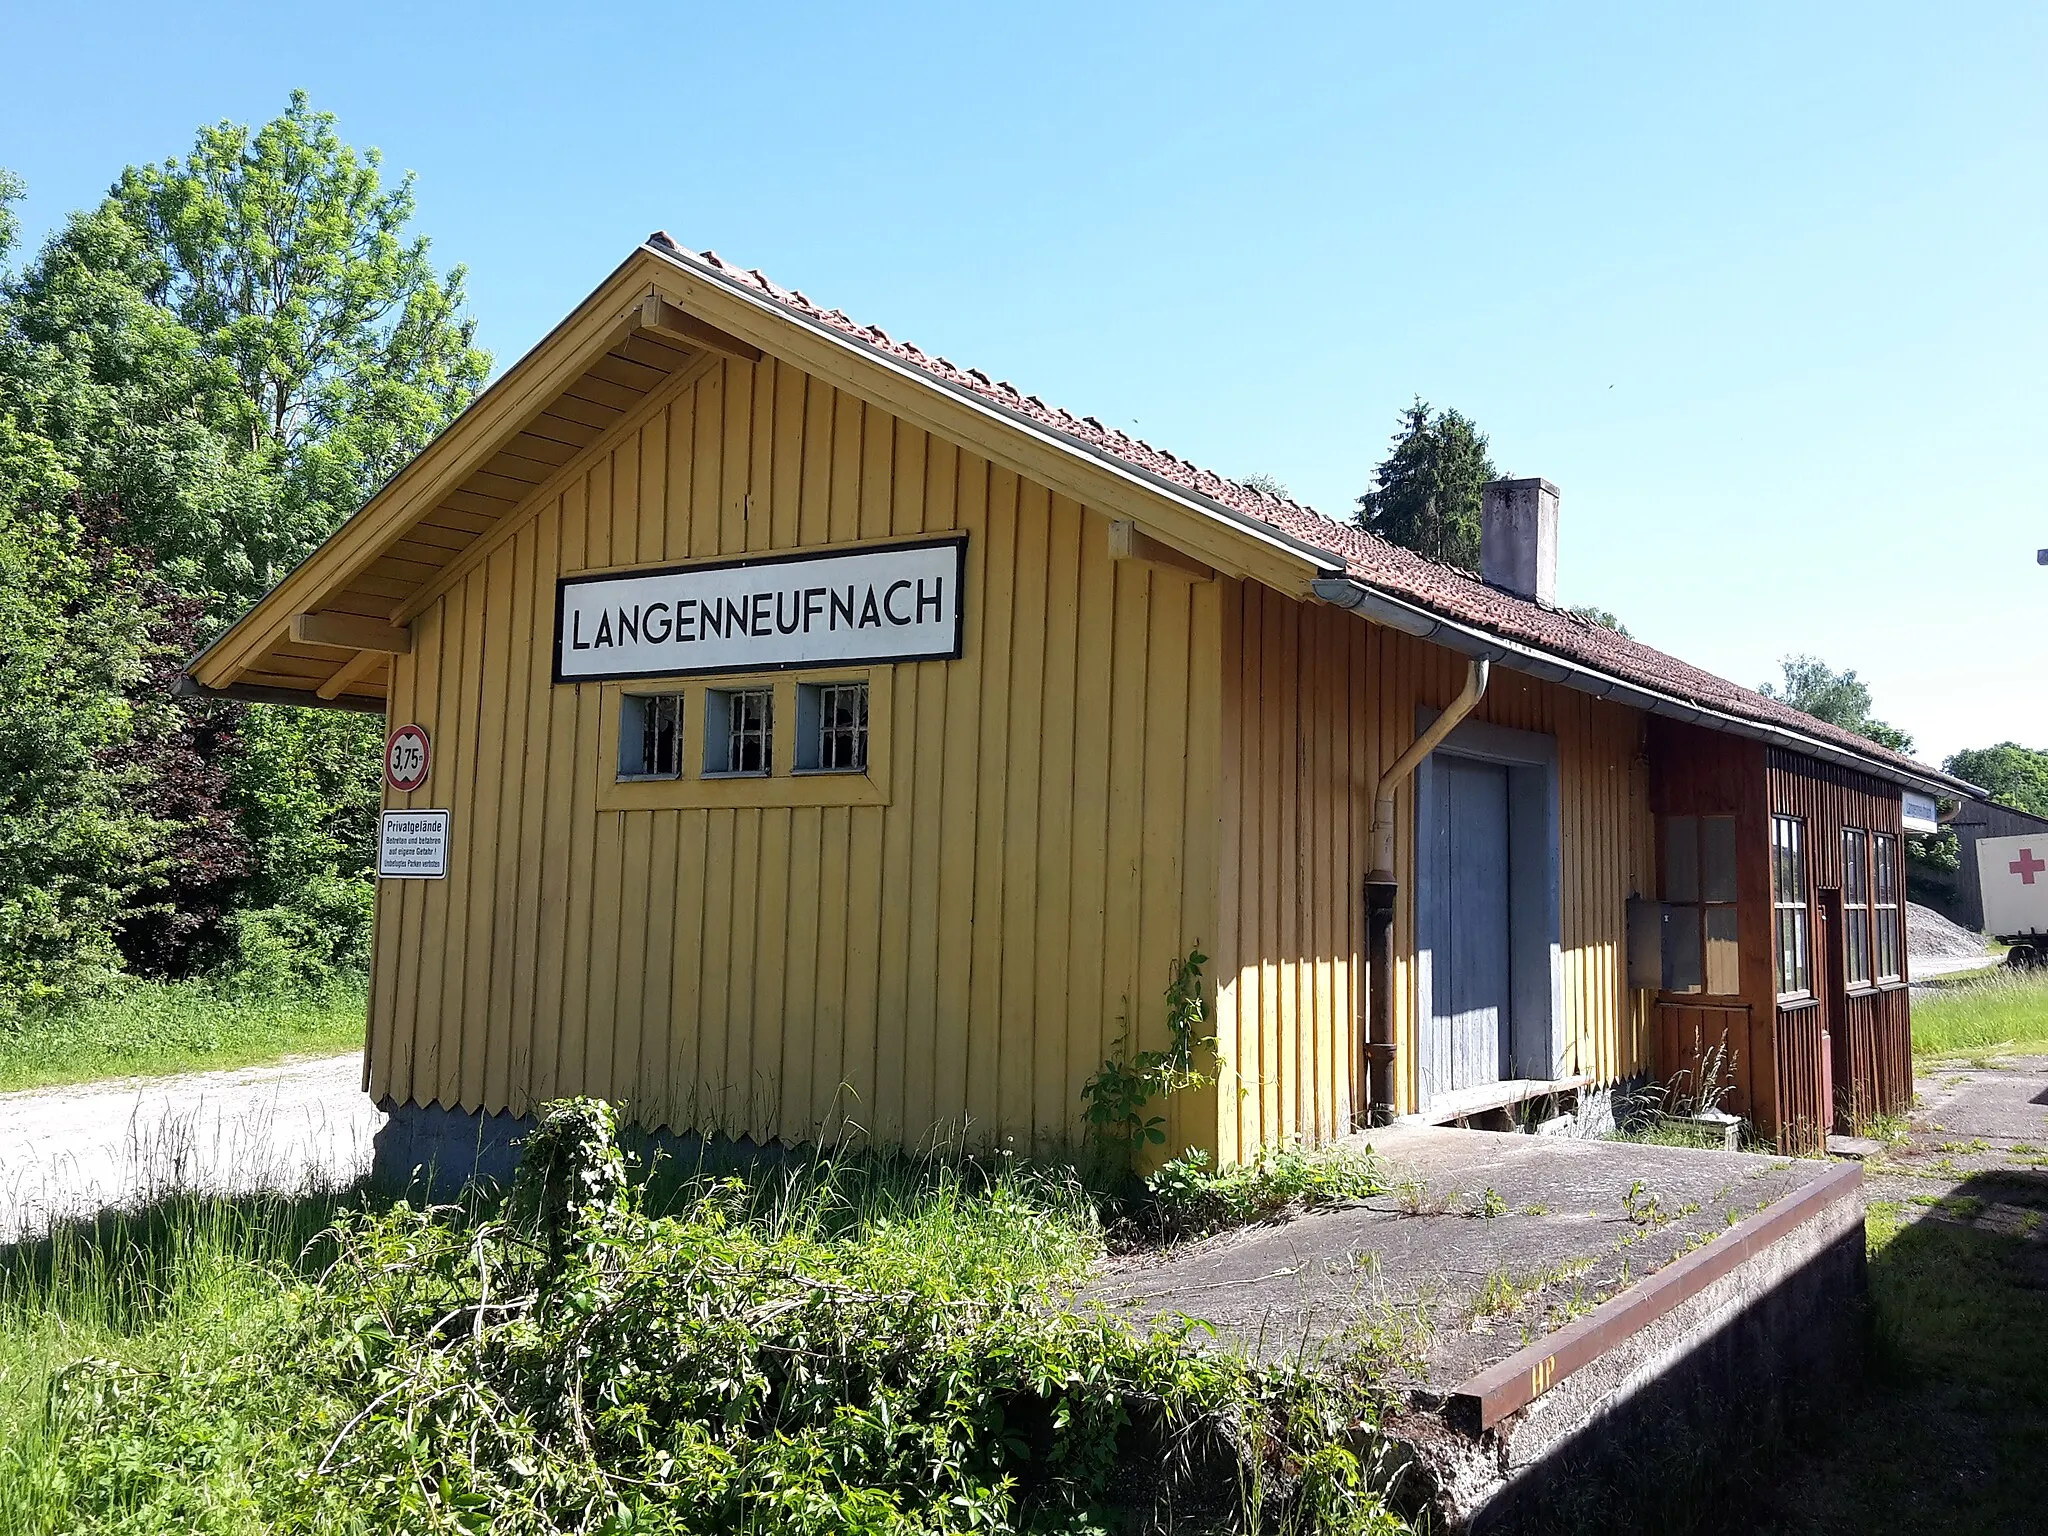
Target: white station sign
(1919,811)
(888,602)
(412,845)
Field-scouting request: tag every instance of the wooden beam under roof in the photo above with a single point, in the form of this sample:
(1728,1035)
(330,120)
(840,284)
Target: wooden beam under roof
(350,631)
(657,314)
(356,668)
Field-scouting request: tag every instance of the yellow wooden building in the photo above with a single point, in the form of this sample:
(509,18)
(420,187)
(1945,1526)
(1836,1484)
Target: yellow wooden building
(824,737)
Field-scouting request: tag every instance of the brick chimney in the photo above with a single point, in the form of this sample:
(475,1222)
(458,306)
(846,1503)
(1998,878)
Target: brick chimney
(1518,537)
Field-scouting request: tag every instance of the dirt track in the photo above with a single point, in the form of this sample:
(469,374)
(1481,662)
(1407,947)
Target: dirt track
(76,1150)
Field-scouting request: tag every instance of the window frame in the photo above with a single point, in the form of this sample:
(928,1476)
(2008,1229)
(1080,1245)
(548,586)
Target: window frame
(1791,915)
(634,706)
(783,786)
(814,729)
(1698,910)
(730,730)
(1886,896)
(1858,917)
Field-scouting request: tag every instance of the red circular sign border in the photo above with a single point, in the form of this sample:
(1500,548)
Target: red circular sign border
(426,757)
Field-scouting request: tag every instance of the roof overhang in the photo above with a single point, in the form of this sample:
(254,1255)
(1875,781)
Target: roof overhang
(1413,619)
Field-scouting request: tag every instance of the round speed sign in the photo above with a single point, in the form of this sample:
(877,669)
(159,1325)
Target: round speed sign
(405,758)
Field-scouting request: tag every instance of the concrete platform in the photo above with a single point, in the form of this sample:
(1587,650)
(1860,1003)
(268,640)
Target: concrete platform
(1557,1314)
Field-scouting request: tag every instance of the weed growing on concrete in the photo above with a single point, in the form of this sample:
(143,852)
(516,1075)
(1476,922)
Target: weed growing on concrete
(1641,1205)
(1188,1198)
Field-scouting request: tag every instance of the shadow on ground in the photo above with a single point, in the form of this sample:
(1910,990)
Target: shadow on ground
(1948,1432)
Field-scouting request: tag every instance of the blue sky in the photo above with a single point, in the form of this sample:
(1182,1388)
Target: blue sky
(1761,287)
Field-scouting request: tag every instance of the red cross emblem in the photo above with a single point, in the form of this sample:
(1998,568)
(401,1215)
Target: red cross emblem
(2027,865)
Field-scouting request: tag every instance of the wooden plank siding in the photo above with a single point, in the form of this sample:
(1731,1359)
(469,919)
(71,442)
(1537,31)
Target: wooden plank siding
(968,950)
(1731,1039)
(1870,1027)
(1315,700)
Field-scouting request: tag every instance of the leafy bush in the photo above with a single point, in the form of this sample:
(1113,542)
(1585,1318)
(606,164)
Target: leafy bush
(1189,1198)
(878,1352)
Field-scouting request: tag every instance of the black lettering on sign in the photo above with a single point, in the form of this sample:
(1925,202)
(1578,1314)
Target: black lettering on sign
(865,605)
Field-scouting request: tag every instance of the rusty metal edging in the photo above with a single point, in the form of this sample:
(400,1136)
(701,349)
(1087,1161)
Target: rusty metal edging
(1519,1380)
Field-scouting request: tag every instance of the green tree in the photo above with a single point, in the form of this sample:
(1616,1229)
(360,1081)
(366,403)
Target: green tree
(2015,775)
(1425,494)
(1840,698)
(273,341)
(222,360)
(75,848)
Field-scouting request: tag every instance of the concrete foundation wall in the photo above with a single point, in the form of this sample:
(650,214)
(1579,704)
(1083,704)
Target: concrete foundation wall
(438,1151)
(1660,1421)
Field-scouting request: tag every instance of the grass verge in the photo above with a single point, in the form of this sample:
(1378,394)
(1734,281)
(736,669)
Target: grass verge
(1983,1012)
(877,1345)
(150,1029)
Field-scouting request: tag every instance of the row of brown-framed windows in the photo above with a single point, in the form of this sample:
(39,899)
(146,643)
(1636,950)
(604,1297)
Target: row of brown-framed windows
(1701,952)
(1870,906)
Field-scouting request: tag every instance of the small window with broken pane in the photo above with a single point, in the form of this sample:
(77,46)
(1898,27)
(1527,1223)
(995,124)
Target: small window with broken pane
(1701,952)
(832,727)
(651,736)
(739,731)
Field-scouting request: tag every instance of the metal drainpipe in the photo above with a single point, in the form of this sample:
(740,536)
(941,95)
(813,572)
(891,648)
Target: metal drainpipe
(1381,888)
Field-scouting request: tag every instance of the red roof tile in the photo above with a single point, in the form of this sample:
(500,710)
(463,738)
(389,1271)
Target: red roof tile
(1444,590)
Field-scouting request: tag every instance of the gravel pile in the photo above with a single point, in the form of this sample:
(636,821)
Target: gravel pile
(1930,936)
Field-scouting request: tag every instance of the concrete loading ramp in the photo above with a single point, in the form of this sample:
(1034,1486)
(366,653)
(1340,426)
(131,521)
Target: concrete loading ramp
(1571,1323)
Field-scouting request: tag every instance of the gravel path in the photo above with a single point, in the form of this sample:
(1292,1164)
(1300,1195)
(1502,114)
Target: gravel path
(79,1150)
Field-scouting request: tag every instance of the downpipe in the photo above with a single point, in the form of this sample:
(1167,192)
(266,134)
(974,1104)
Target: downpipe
(1381,889)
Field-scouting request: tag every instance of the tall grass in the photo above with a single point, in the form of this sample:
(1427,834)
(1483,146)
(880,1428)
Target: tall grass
(182,1286)
(147,1029)
(880,1343)
(1989,1011)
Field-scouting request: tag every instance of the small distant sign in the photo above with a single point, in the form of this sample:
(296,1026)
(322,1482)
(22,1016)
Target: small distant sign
(1920,812)
(406,756)
(413,845)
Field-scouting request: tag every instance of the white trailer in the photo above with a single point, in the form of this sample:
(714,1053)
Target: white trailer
(2012,872)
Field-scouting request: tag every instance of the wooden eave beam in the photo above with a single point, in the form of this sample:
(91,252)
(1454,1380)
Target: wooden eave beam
(657,314)
(351,632)
(1127,541)
(354,670)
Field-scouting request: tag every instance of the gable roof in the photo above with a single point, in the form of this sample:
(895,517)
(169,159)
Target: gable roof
(1336,560)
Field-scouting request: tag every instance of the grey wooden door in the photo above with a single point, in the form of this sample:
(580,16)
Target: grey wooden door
(1471,973)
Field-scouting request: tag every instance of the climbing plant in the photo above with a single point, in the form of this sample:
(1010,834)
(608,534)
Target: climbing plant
(1122,1089)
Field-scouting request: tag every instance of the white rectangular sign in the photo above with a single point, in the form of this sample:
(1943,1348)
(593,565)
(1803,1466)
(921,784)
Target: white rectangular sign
(412,845)
(1919,811)
(2012,873)
(890,602)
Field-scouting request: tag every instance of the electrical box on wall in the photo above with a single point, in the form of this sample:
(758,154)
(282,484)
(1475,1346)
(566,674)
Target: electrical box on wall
(1645,943)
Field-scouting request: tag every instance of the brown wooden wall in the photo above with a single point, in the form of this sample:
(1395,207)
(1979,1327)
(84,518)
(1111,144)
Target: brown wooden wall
(1315,700)
(1870,1029)
(1774,1053)
(1704,773)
